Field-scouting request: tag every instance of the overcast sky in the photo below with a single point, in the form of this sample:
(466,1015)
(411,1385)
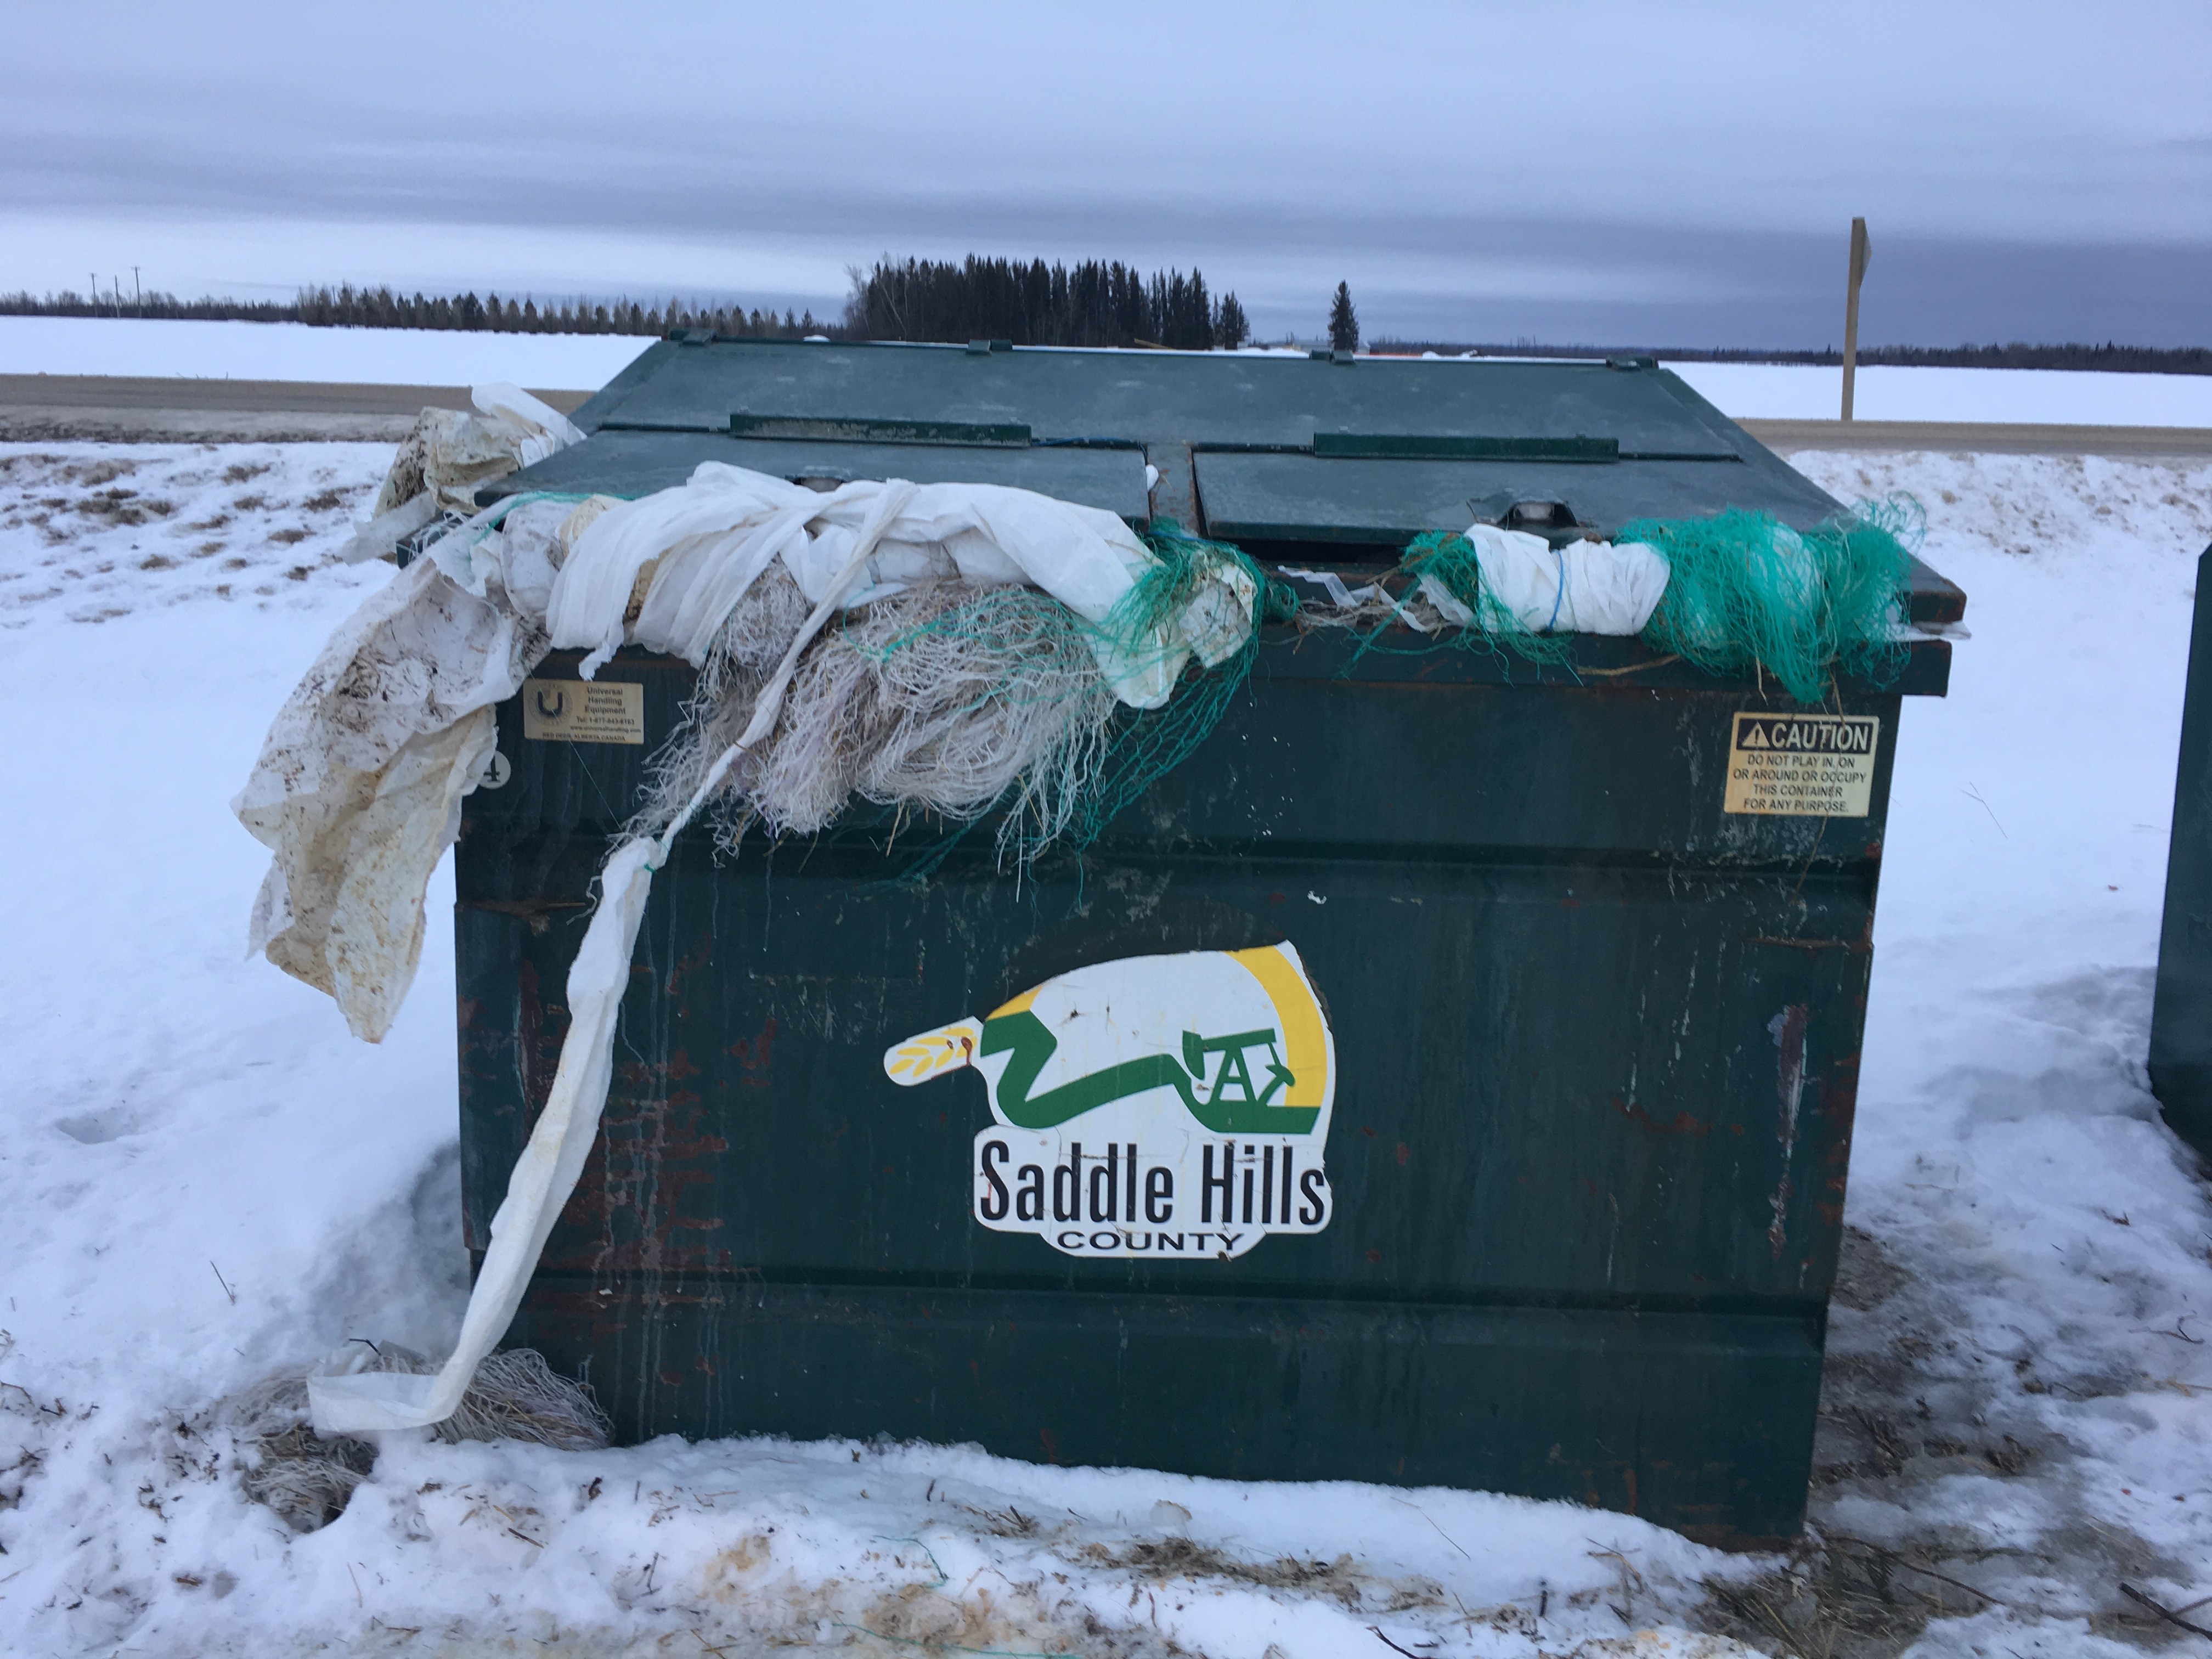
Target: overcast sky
(1641,173)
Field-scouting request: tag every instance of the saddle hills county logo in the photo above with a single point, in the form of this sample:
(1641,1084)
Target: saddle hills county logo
(1171,1105)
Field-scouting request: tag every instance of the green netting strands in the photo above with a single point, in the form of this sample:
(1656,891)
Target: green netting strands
(1447,558)
(1142,748)
(1745,593)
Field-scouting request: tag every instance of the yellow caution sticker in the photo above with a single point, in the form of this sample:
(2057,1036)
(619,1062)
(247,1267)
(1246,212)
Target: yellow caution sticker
(583,711)
(1806,766)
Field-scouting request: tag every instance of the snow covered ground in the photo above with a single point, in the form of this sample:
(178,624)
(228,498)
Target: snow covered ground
(291,351)
(206,1179)
(1779,392)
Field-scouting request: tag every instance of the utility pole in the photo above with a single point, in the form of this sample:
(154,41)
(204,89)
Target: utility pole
(1862,251)
(137,294)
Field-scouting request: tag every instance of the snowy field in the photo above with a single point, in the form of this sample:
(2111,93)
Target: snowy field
(207,1180)
(291,351)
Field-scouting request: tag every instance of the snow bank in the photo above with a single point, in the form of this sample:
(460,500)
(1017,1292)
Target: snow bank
(2036,1387)
(208,1178)
(1775,392)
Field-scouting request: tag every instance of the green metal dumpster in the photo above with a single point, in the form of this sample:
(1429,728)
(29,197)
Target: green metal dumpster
(2181,1010)
(1590,980)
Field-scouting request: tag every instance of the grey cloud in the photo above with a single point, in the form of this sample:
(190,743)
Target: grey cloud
(1617,172)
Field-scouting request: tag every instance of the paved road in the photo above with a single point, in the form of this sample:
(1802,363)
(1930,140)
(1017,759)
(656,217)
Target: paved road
(46,407)
(1983,437)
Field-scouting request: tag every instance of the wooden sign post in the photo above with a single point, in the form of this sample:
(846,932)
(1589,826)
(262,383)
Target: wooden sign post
(1862,251)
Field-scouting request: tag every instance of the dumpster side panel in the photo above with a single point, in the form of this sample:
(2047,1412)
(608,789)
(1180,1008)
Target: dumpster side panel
(2181,1013)
(1597,1043)
(1567,1080)
(1694,1420)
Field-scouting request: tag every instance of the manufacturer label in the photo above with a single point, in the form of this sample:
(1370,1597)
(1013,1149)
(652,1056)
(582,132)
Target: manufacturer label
(1155,1106)
(583,711)
(1814,766)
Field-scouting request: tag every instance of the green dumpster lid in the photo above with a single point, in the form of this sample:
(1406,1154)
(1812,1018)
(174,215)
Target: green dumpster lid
(1316,459)
(1065,397)
(630,463)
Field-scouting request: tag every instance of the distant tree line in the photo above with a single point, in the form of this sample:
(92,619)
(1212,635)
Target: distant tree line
(347,307)
(1093,304)
(2108,357)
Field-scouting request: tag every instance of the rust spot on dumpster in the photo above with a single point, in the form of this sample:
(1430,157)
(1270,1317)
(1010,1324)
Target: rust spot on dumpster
(537,913)
(638,1075)
(686,966)
(755,1055)
(1680,1124)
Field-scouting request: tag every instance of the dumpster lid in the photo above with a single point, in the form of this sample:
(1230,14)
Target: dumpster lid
(1313,498)
(1076,396)
(1319,460)
(637,463)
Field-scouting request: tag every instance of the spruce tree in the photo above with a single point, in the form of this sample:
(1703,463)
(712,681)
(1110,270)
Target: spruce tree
(1231,329)
(1343,321)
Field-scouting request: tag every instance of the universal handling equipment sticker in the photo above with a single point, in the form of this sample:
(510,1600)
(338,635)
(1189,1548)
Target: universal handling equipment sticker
(1802,765)
(583,711)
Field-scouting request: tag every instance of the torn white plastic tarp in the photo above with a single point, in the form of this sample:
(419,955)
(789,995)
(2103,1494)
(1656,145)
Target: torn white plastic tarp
(546,1173)
(543,1178)
(358,787)
(676,563)
(357,791)
(1585,587)
(450,454)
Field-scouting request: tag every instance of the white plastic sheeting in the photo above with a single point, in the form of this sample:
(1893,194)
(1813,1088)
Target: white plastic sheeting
(358,787)
(676,564)
(1585,587)
(544,1176)
(546,1173)
(450,454)
(357,791)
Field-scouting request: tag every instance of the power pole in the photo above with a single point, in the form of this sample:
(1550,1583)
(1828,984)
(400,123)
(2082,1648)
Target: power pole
(1862,251)
(137,294)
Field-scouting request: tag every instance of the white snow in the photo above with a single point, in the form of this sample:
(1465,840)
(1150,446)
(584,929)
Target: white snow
(1749,392)
(293,351)
(206,1178)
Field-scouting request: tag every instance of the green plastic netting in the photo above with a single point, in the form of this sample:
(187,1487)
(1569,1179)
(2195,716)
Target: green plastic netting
(1745,594)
